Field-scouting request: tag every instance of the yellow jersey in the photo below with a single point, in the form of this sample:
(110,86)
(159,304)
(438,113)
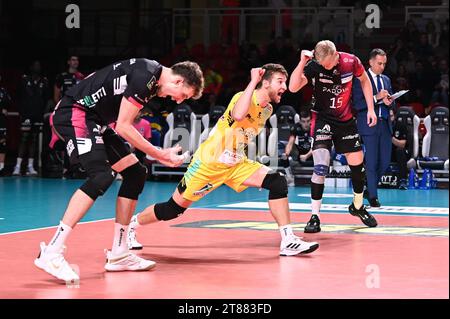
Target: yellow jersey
(225,146)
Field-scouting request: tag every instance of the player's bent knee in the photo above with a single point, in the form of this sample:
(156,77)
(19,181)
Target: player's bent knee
(276,184)
(318,179)
(133,182)
(168,210)
(98,184)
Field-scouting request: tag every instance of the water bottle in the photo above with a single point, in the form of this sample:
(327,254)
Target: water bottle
(433,181)
(426,182)
(412,179)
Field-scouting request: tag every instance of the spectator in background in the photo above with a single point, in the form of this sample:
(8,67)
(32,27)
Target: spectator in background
(66,80)
(410,62)
(252,60)
(433,33)
(424,49)
(5,101)
(401,79)
(278,51)
(213,85)
(424,80)
(398,51)
(440,94)
(301,151)
(443,39)
(230,21)
(410,33)
(400,154)
(401,83)
(32,95)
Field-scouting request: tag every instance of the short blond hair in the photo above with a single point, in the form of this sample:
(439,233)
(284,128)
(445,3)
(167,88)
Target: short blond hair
(323,49)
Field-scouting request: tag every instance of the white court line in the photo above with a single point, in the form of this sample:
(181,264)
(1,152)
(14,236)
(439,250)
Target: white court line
(28,230)
(339,207)
(329,195)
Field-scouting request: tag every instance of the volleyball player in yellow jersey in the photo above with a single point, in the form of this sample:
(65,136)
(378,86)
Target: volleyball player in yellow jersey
(221,160)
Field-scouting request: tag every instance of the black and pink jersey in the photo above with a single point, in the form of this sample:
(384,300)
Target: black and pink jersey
(333,88)
(101,92)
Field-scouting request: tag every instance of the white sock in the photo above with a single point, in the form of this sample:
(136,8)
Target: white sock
(134,223)
(120,246)
(2,165)
(286,231)
(315,206)
(30,162)
(19,162)
(59,239)
(358,200)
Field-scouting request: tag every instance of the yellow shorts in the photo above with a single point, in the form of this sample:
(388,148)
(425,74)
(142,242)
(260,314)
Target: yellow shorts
(201,179)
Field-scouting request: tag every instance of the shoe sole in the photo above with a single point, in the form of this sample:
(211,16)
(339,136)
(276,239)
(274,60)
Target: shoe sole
(120,268)
(371,226)
(135,248)
(309,250)
(311,231)
(39,265)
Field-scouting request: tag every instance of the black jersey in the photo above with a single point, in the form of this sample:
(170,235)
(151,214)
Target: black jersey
(101,92)
(33,94)
(66,80)
(333,88)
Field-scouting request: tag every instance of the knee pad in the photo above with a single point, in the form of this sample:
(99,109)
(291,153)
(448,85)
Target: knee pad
(321,158)
(98,183)
(168,210)
(133,182)
(276,184)
(358,177)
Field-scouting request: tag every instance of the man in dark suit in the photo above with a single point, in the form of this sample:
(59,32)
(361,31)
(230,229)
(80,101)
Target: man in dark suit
(376,139)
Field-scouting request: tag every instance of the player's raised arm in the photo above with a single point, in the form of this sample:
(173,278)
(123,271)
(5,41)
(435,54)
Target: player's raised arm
(242,105)
(368,95)
(124,127)
(298,78)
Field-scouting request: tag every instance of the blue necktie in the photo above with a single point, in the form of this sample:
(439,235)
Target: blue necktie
(382,109)
(379,83)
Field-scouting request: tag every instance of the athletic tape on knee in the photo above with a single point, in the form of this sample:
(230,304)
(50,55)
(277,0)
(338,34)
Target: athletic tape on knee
(358,174)
(276,184)
(133,181)
(97,184)
(168,210)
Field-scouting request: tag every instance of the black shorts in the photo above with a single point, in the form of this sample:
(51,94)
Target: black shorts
(82,135)
(344,135)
